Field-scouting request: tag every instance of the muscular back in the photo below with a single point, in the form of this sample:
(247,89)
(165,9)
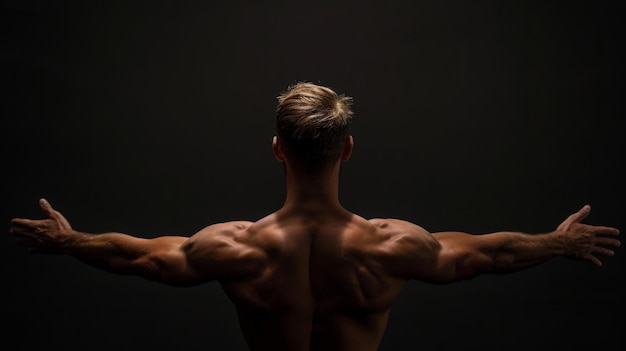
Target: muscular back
(311,281)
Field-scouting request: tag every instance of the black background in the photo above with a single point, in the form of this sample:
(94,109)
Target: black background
(156,118)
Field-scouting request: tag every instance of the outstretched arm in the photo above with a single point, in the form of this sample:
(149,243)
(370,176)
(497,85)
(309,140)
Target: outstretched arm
(162,259)
(464,256)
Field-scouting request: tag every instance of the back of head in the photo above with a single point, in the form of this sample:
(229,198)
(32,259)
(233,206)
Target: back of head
(312,124)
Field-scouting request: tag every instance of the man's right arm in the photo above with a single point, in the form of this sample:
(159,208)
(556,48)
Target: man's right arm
(464,256)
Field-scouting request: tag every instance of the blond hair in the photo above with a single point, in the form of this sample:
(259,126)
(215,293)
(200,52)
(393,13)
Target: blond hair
(312,123)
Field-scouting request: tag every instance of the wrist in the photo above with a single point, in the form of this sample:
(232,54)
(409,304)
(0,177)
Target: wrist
(71,240)
(558,241)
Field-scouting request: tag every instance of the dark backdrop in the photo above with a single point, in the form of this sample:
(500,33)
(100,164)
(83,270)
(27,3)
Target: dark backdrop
(156,118)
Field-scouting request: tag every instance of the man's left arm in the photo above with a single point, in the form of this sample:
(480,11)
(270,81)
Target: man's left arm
(162,259)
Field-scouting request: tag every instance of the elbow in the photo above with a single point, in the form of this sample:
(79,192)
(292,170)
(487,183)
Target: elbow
(154,269)
(465,268)
(147,267)
(471,265)
(502,262)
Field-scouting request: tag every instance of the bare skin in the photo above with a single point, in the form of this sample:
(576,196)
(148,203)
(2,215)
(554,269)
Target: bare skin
(312,275)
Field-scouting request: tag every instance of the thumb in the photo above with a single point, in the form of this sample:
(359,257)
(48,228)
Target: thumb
(46,207)
(575,217)
(54,214)
(581,214)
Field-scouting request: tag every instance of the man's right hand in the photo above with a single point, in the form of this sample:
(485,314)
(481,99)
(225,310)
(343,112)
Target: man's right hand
(585,242)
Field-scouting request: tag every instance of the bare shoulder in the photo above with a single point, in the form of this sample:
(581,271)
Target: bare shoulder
(220,236)
(408,247)
(224,228)
(223,249)
(396,235)
(393,224)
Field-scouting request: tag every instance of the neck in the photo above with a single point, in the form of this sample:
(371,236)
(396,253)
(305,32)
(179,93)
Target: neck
(313,191)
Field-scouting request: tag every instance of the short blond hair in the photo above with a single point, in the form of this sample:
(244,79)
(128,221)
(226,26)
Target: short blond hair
(312,122)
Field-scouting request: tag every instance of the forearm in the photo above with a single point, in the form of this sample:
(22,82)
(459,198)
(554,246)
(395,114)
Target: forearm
(119,253)
(510,251)
(465,256)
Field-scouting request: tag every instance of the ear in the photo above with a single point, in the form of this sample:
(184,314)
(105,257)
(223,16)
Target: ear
(347,148)
(279,153)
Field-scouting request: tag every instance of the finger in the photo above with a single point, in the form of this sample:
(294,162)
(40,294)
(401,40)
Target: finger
(21,231)
(608,241)
(606,230)
(603,251)
(594,260)
(27,239)
(24,222)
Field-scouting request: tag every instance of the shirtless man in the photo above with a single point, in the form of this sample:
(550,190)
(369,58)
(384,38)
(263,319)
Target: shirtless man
(312,275)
